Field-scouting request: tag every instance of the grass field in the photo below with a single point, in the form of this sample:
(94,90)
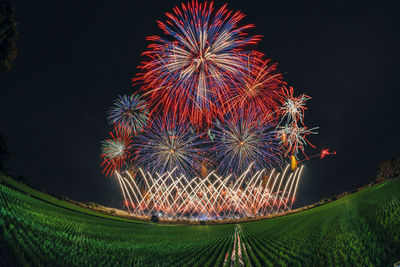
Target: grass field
(360,229)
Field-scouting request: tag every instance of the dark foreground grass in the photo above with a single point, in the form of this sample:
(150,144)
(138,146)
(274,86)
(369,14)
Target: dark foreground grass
(360,229)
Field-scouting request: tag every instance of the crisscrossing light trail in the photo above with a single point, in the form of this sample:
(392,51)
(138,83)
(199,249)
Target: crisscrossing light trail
(171,197)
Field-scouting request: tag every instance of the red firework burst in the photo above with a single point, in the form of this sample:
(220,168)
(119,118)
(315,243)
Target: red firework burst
(188,71)
(259,89)
(293,107)
(115,151)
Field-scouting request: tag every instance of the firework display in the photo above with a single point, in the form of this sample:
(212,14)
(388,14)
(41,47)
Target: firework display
(212,197)
(210,122)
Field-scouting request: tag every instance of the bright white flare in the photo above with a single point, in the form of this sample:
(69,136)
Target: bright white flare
(170,196)
(293,108)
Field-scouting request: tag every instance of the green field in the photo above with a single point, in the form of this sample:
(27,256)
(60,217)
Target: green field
(360,229)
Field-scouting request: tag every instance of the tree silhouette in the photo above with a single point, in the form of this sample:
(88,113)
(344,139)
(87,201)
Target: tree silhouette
(8,35)
(5,153)
(389,169)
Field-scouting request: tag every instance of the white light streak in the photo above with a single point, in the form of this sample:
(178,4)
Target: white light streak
(214,197)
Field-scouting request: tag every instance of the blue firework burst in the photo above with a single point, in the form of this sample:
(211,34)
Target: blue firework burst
(129,112)
(162,148)
(241,142)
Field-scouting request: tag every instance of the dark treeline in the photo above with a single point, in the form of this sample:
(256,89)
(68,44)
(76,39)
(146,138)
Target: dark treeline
(8,52)
(388,169)
(8,35)
(5,153)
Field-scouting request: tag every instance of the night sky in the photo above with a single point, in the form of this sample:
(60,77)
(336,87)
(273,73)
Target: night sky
(75,57)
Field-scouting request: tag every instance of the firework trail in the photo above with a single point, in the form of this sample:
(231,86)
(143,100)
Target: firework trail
(115,151)
(187,71)
(163,148)
(129,112)
(213,197)
(324,152)
(238,142)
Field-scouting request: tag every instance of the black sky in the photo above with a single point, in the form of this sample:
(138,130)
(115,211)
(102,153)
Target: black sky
(75,57)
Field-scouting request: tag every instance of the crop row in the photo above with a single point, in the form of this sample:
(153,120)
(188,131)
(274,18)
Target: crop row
(360,229)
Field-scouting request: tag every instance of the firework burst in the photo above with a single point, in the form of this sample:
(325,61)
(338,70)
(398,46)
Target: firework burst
(115,151)
(240,142)
(259,89)
(188,71)
(294,138)
(293,107)
(162,148)
(129,112)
